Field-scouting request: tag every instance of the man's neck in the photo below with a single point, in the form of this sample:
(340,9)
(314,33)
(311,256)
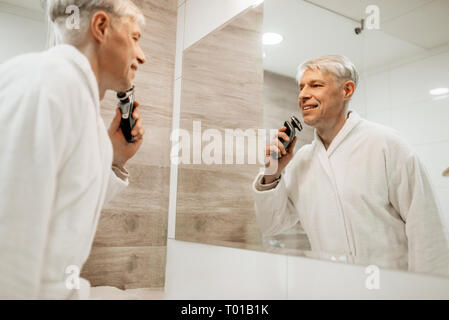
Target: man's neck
(89,52)
(328,134)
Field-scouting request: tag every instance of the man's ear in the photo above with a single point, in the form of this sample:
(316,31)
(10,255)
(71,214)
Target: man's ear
(348,87)
(99,25)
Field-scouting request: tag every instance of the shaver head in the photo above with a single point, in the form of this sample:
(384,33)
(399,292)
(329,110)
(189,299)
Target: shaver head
(296,123)
(123,96)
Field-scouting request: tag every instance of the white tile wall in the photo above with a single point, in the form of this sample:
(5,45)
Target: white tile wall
(382,117)
(377,93)
(435,157)
(29,35)
(422,122)
(413,81)
(443,197)
(400,98)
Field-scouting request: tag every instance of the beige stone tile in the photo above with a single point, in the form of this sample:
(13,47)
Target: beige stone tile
(216,203)
(222,87)
(119,228)
(126,267)
(148,190)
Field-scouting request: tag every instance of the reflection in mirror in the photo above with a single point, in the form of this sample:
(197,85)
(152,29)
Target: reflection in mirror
(365,184)
(362,187)
(222,83)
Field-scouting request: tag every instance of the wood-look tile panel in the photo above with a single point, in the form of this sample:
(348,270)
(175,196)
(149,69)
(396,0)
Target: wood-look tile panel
(216,203)
(197,227)
(222,87)
(126,267)
(148,190)
(218,107)
(223,76)
(120,228)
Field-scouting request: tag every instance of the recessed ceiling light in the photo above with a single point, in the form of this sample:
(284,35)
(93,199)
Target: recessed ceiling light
(271,38)
(439,91)
(264,55)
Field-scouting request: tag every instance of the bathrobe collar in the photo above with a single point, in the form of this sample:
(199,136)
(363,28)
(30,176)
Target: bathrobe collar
(351,122)
(80,60)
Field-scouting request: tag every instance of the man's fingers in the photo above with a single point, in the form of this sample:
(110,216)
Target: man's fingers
(284,136)
(136,114)
(281,147)
(292,146)
(138,128)
(136,111)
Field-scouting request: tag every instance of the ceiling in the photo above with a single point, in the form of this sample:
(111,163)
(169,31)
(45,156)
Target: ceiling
(317,27)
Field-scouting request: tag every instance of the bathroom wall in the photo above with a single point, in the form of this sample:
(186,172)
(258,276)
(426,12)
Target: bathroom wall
(222,87)
(398,96)
(130,245)
(16,24)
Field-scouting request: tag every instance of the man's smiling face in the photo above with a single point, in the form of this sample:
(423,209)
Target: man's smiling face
(122,52)
(321,98)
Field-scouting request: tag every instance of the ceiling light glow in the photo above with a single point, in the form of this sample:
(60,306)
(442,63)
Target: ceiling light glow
(439,91)
(271,38)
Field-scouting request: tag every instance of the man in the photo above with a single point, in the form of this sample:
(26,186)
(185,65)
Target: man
(58,163)
(359,191)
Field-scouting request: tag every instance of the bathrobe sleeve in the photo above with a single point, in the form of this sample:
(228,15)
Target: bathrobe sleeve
(411,194)
(40,138)
(118,180)
(275,210)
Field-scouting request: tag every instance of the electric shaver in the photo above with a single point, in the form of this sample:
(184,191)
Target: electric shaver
(126,105)
(290,132)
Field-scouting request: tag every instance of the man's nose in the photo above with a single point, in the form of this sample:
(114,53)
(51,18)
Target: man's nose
(141,56)
(303,96)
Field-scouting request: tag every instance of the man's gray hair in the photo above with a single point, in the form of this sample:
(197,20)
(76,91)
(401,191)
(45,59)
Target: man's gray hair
(58,15)
(340,66)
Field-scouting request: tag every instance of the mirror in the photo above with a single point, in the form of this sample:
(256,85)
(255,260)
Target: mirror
(401,52)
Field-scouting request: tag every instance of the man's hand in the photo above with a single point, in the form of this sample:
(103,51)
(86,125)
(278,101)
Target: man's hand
(124,150)
(273,166)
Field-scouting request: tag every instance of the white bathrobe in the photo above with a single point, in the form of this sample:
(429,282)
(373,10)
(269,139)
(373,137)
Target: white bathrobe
(55,172)
(367,199)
